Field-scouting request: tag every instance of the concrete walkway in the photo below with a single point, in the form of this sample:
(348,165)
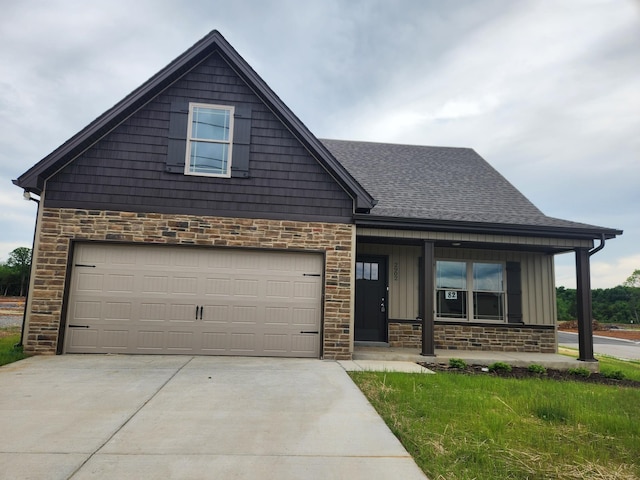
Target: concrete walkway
(515,359)
(175,417)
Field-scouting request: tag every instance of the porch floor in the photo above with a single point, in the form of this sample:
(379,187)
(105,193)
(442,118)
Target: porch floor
(515,359)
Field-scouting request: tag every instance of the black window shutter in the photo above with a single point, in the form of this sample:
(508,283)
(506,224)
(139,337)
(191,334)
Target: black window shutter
(241,141)
(178,123)
(514,293)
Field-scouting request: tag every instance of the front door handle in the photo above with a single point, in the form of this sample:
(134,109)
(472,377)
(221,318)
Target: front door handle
(382,307)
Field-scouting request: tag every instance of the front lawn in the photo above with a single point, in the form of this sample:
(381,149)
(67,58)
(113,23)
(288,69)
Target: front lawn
(460,426)
(8,352)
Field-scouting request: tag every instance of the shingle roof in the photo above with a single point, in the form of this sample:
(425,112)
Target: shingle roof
(438,184)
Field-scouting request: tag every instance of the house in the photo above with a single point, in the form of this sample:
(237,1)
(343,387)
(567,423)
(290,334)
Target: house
(200,216)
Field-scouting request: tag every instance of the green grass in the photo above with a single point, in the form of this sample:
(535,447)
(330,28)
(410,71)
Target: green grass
(609,365)
(8,353)
(485,427)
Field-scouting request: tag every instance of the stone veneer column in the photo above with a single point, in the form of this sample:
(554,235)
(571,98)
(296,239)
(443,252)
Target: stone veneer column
(59,227)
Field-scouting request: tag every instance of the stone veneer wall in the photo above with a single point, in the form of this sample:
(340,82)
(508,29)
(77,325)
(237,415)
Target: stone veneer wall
(59,226)
(474,337)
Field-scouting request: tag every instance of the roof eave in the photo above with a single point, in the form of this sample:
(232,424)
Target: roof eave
(588,232)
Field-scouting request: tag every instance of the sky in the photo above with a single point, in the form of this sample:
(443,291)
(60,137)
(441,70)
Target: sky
(547,92)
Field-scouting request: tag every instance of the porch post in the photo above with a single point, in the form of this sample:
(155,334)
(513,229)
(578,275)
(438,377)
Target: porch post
(428,344)
(585,314)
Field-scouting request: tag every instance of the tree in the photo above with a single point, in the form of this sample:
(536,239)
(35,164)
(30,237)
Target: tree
(633,280)
(566,303)
(6,279)
(633,285)
(20,262)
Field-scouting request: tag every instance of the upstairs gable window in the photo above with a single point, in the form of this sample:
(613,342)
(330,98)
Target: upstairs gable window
(209,140)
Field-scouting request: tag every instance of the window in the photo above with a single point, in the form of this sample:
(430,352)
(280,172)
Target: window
(209,140)
(470,290)
(366,271)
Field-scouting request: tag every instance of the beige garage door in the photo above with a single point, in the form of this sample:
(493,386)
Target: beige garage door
(200,301)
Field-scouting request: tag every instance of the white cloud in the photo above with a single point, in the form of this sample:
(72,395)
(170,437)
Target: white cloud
(606,273)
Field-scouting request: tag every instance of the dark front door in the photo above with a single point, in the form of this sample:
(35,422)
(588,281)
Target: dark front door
(371,299)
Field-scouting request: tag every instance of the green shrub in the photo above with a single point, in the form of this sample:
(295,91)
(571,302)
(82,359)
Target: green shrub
(500,367)
(457,363)
(535,368)
(614,374)
(580,372)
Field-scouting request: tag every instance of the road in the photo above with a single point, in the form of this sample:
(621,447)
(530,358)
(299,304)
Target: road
(613,347)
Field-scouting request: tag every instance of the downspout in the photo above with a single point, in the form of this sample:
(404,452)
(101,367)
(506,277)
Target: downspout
(27,196)
(599,247)
(585,312)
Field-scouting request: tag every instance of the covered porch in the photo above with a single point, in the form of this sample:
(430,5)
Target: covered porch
(406,317)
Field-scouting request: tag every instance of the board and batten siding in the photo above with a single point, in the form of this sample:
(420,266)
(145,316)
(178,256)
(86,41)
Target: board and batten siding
(537,274)
(126,170)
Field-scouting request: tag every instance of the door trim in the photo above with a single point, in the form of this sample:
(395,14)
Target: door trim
(383,259)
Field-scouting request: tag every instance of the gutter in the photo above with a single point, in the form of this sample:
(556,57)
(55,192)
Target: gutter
(487,228)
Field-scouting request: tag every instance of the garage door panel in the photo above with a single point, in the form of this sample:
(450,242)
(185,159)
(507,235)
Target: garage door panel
(86,339)
(89,282)
(216,314)
(305,317)
(150,339)
(119,283)
(305,290)
(92,256)
(243,343)
(302,344)
(214,342)
(123,256)
(277,316)
(180,341)
(152,312)
(246,287)
(278,288)
(87,310)
(276,344)
(115,339)
(155,284)
(134,300)
(184,285)
(244,314)
(218,286)
(184,313)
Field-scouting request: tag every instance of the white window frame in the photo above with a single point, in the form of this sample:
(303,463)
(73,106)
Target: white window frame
(191,138)
(469,292)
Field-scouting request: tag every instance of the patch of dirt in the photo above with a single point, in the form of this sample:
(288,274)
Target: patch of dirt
(620,333)
(11,306)
(522,372)
(613,330)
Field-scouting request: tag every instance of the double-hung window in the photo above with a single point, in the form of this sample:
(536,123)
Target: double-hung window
(209,140)
(470,291)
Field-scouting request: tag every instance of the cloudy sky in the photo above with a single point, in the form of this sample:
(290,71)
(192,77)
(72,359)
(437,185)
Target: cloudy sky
(547,92)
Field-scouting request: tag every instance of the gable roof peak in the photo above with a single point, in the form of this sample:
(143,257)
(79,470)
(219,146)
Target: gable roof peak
(33,180)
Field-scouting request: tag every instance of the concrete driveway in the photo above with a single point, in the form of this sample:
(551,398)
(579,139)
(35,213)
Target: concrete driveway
(170,417)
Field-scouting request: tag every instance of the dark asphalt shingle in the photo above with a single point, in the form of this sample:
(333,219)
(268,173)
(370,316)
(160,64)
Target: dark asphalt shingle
(437,183)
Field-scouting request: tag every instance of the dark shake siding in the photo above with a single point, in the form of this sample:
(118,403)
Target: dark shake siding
(126,169)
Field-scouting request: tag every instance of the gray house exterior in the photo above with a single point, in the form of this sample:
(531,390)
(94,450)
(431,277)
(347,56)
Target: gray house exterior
(200,216)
